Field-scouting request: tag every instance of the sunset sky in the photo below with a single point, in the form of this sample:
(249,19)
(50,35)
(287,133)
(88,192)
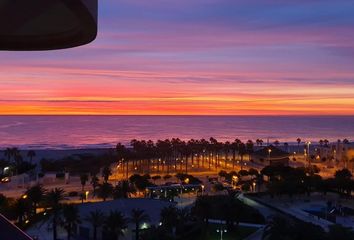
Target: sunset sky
(210,57)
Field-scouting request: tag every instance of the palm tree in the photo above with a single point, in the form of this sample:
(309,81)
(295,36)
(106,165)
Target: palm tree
(286,145)
(21,209)
(169,218)
(31,154)
(16,155)
(96,218)
(155,178)
(71,219)
(123,189)
(94,182)
(83,180)
(242,151)
(137,217)
(115,224)
(105,190)
(277,228)
(298,144)
(235,147)
(53,199)
(4,203)
(106,172)
(8,153)
(249,148)
(35,196)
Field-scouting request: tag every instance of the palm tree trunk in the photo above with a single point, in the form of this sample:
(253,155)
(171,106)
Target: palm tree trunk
(137,231)
(82,194)
(54,227)
(69,232)
(95,233)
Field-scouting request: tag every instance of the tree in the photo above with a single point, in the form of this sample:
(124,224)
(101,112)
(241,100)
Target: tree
(283,228)
(8,154)
(137,217)
(83,180)
(253,172)
(166,177)
(298,144)
(94,182)
(344,174)
(31,154)
(71,219)
(115,224)
(337,231)
(169,218)
(223,174)
(105,190)
(96,218)
(123,189)
(155,178)
(342,180)
(139,182)
(202,209)
(286,145)
(20,209)
(4,203)
(106,172)
(241,152)
(53,199)
(277,228)
(35,196)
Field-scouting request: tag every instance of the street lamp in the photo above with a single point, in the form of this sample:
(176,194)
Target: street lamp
(269,151)
(308,152)
(221,231)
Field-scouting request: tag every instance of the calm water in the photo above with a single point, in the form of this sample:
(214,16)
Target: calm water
(42,132)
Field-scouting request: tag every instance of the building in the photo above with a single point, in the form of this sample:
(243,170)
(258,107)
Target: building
(9,231)
(151,207)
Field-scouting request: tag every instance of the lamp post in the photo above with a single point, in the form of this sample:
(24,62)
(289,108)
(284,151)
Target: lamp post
(221,231)
(308,153)
(269,151)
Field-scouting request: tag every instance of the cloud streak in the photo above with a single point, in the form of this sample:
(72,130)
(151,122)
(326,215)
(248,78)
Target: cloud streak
(194,57)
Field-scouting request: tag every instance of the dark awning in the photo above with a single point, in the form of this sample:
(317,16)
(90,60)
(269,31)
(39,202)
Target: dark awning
(46,24)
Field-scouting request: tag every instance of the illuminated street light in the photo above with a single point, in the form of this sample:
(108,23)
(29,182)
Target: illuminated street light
(221,231)
(308,152)
(269,151)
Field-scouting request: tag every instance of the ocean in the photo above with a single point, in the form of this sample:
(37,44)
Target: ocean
(70,132)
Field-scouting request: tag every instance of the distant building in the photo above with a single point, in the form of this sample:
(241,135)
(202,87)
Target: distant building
(271,155)
(9,231)
(151,207)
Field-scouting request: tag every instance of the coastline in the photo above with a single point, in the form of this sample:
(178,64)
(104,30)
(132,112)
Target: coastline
(58,154)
